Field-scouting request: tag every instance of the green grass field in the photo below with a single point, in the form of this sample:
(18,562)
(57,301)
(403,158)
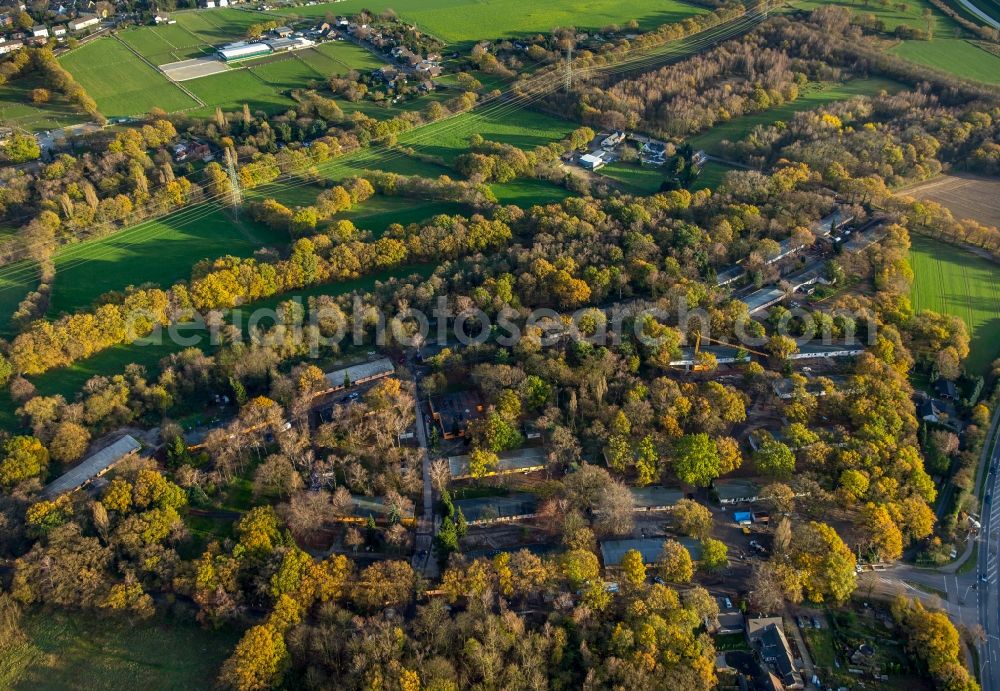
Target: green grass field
(15,283)
(379,212)
(647,180)
(82,651)
(458,21)
(120,82)
(945,52)
(158,252)
(954,55)
(449,138)
(230,90)
(287,72)
(636,178)
(166,43)
(344,57)
(528,192)
(812,95)
(17,109)
(712,175)
(219,25)
(952,281)
(149,352)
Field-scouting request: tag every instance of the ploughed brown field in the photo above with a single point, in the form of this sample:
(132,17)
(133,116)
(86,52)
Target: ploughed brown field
(965,195)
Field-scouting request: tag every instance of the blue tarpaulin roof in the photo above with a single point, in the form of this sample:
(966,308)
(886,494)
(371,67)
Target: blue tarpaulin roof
(743,516)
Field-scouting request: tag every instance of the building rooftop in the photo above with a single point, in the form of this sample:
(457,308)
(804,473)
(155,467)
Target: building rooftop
(485,509)
(519,461)
(736,490)
(763,298)
(92,466)
(454,411)
(361,372)
(727,276)
(612,551)
(655,497)
(768,638)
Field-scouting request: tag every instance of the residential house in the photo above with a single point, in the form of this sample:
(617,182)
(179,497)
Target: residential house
(10,46)
(454,411)
(84,21)
(40,31)
(946,389)
(59,30)
(428,68)
(592,161)
(655,498)
(767,638)
(613,140)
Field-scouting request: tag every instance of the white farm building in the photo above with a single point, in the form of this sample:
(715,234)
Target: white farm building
(242,50)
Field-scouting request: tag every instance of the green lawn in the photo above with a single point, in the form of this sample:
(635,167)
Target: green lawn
(158,252)
(528,192)
(954,55)
(389,160)
(646,180)
(945,52)
(379,212)
(467,20)
(120,82)
(812,96)
(219,25)
(638,179)
(16,280)
(340,57)
(17,109)
(821,647)
(165,43)
(712,175)
(230,90)
(83,651)
(953,281)
(522,128)
(286,72)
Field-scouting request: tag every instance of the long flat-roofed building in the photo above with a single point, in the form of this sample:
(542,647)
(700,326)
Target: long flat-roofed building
(511,462)
(241,50)
(655,498)
(359,374)
(92,466)
(763,298)
(515,507)
(612,551)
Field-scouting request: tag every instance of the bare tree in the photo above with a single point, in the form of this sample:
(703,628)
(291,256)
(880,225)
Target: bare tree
(440,474)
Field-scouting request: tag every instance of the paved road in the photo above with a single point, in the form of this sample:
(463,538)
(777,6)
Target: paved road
(425,528)
(986,570)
